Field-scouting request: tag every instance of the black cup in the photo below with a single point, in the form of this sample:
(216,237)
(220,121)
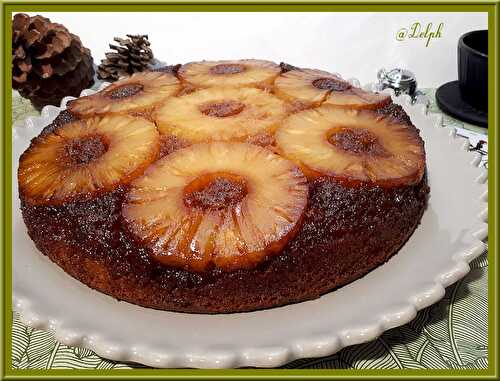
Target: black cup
(473,68)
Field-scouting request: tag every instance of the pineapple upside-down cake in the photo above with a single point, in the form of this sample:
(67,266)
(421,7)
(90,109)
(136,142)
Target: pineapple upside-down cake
(224,186)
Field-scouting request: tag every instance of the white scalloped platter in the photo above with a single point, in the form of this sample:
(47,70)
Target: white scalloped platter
(450,235)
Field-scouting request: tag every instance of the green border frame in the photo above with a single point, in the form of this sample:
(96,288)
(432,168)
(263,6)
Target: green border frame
(12,6)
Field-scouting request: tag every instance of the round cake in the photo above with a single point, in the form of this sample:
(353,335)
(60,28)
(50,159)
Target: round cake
(224,186)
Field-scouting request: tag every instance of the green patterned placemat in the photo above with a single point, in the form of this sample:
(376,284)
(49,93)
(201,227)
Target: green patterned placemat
(21,108)
(451,334)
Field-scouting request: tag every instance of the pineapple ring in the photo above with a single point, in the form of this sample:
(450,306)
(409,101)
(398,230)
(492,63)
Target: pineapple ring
(220,114)
(357,98)
(313,87)
(86,157)
(298,85)
(249,204)
(241,73)
(132,94)
(353,145)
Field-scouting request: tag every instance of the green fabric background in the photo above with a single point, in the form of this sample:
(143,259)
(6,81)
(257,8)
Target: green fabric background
(450,334)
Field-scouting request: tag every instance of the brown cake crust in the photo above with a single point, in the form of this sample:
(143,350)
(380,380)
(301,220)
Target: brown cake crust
(346,232)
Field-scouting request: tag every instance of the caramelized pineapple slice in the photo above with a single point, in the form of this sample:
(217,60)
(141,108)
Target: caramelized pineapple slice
(313,87)
(353,145)
(357,98)
(228,205)
(84,158)
(236,73)
(307,86)
(136,94)
(220,114)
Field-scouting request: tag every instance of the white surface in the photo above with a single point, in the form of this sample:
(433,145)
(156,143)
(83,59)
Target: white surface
(352,44)
(435,256)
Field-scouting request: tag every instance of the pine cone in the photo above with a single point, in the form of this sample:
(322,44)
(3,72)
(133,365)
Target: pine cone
(48,62)
(131,56)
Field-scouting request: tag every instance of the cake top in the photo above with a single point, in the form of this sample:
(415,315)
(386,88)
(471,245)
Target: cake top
(215,157)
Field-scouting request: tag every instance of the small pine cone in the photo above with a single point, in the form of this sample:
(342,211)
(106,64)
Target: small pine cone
(132,55)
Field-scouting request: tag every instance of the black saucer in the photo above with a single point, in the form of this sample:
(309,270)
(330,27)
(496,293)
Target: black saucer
(449,100)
